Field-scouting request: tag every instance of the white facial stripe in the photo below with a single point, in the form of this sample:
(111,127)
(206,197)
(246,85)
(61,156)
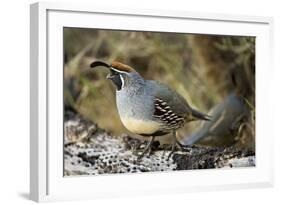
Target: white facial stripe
(118,70)
(122,80)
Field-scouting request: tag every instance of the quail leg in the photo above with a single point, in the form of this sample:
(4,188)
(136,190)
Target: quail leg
(175,144)
(147,148)
(136,147)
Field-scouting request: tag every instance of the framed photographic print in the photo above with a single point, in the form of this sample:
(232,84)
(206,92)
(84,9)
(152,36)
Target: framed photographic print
(127,102)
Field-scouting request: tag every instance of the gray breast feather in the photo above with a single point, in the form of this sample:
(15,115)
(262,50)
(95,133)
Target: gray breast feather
(137,105)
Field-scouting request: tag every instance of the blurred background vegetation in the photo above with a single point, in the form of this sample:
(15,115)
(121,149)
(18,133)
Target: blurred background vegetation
(199,67)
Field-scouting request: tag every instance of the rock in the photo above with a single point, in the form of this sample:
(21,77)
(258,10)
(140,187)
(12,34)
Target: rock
(89,150)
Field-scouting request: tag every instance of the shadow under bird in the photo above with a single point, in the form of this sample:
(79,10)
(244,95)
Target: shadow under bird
(147,107)
(227,117)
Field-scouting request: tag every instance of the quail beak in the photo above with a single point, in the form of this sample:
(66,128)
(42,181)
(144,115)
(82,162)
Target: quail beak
(113,76)
(116,79)
(109,76)
(103,64)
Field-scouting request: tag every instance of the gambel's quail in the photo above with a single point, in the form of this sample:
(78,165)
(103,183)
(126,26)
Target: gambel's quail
(147,107)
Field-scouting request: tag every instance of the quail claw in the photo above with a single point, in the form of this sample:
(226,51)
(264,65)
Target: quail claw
(147,149)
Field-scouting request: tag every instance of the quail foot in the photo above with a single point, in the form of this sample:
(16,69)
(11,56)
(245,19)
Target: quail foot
(147,107)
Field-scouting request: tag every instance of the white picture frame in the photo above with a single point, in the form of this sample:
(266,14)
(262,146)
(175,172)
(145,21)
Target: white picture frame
(46,101)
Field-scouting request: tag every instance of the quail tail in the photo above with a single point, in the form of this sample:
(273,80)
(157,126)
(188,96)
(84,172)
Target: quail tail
(200,116)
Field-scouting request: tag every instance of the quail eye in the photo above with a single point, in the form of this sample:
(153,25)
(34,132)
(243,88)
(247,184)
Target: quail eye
(113,72)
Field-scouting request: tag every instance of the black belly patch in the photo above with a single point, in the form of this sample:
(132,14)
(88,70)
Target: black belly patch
(157,133)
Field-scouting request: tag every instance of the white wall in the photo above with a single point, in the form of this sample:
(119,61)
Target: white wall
(14,99)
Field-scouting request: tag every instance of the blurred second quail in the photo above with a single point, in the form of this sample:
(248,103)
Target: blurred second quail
(227,117)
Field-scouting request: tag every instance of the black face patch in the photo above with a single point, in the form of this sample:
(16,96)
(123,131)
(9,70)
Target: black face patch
(116,79)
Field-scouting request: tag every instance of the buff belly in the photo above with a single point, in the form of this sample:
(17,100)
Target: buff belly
(139,126)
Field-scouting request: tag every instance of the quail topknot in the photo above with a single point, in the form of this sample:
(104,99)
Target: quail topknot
(147,107)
